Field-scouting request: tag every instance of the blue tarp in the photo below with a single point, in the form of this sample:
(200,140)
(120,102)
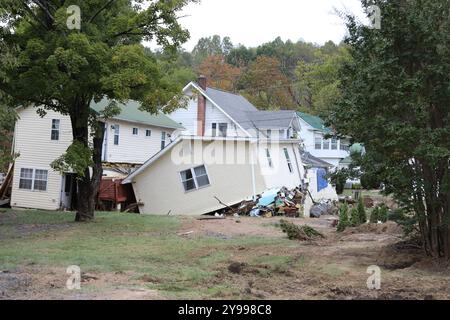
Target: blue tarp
(268,197)
(322,182)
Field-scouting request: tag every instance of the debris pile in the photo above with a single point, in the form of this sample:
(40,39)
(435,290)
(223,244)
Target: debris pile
(302,233)
(275,202)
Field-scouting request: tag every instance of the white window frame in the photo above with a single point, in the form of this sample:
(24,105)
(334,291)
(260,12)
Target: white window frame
(148,133)
(194,178)
(137,132)
(163,139)
(116,134)
(56,128)
(269,158)
(326,144)
(33,179)
(316,139)
(269,133)
(334,144)
(288,160)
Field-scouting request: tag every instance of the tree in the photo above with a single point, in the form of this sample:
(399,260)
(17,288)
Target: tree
(396,101)
(362,216)
(319,81)
(211,46)
(241,56)
(65,69)
(265,85)
(219,73)
(343,217)
(354,217)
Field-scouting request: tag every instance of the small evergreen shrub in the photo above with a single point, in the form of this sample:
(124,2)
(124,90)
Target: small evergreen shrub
(343,217)
(354,217)
(362,216)
(374,215)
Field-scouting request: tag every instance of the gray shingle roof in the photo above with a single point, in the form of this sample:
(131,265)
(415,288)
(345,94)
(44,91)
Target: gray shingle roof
(246,114)
(310,161)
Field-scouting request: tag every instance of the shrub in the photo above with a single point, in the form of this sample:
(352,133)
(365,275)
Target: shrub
(343,217)
(302,233)
(354,217)
(374,215)
(383,213)
(362,217)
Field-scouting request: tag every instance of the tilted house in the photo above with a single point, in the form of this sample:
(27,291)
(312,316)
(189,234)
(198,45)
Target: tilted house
(131,138)
(229,151)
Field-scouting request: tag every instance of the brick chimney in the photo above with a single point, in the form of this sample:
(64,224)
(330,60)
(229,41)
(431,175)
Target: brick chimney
(201,108)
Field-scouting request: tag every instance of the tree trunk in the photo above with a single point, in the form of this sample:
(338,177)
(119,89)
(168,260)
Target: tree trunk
(89,184)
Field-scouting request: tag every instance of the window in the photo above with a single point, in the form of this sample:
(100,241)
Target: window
(135,131)
(345,146)
(148,133)
(214,130)
(288,160)
(116,134)
(269,134)
(334,144)
(55,129)
(326,144)
(26,179)
(40,180)
(269,158)
(281,133)
(318,142)
(223,127)
(163,140)
(33,179)
(194,178)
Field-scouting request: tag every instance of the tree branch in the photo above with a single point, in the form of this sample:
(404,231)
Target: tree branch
(100,10)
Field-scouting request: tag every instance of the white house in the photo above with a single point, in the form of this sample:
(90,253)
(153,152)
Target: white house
(313,133)
(132,137)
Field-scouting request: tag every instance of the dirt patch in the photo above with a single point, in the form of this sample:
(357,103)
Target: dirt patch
(246,226)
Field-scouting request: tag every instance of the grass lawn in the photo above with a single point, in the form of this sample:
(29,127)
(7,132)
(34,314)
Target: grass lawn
(128,256)
(143,246)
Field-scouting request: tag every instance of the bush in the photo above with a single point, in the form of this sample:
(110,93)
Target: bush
(383,213)
(343,217)
(408,222)
(302,233)
(374,216)
(354,217)
(362,216)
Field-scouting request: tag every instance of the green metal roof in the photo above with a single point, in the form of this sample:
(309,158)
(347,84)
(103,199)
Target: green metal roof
(131,112)
(314,121)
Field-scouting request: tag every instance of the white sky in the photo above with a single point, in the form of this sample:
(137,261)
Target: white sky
(253,22)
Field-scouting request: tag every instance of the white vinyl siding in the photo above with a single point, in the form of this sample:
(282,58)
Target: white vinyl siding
(134,148)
